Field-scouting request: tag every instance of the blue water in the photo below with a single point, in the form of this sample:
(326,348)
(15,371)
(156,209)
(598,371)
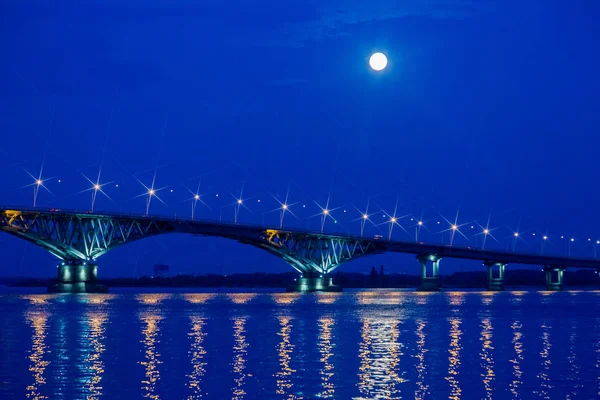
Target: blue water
(380,344)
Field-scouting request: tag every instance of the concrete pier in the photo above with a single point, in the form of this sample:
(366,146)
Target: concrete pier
(77,278)
(495,283)
(430,283)
(551,283)
(314,284)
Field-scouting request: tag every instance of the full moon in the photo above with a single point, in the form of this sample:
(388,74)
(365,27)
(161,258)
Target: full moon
(378,61)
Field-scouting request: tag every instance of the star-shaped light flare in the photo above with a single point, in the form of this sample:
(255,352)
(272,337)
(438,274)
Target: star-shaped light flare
(38,182)
(364,218)
(238,204)
(486,231)
(284,207)
(96,187)
(197,197)
(151,192)
(454,228)
(394,220)
(325,212)
(419,224)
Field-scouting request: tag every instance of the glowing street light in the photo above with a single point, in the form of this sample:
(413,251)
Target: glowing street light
(516,234)
(486,231)
(570,242)
(38,183)
(364,217)
(325,212)
(454,227)
(96,187)
(418,227)
(284,206)
(196,197)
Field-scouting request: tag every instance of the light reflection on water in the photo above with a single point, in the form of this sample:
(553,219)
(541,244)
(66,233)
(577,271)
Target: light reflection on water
(379,355)
(517,359)
(454,358)
(37,355)
(239,357)
(543,376)
(152,359)
(422,388)
(285,349)
(326,349)
(197,356)
(487,360)
(361,345)
(94,364)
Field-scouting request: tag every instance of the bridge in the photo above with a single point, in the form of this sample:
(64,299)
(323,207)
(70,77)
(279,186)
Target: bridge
(79,239)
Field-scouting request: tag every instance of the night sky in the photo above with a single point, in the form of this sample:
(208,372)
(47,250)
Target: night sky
(487,107)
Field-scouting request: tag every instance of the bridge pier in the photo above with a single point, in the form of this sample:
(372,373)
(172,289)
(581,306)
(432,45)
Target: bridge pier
(551,284)
(77,277)
(495,284)
(429,283)
(314,283)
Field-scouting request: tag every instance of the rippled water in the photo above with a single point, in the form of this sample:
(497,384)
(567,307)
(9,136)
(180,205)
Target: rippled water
(511,345)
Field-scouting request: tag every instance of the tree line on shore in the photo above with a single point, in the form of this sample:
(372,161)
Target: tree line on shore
(375,279)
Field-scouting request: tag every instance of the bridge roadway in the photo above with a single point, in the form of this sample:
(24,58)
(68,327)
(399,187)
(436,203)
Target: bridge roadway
(78,239)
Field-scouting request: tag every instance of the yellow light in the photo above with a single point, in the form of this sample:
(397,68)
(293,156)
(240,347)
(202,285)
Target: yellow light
(393,219)
(39,182)
(325,211)
(454,227)
(365,216)
(97,187)
(197,197)
(284,206)
(486,231)
(151,192)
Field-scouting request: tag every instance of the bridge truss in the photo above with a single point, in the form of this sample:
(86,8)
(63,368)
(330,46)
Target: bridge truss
(77,238)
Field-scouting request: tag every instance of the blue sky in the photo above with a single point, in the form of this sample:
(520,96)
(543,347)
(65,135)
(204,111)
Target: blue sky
(487,107)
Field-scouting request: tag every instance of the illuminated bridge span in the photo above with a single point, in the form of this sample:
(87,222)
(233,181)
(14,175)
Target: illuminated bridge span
(79,239)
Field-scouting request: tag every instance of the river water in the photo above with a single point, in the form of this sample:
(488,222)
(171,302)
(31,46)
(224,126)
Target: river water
(368,344)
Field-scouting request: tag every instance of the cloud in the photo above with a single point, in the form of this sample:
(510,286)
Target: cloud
(336,17)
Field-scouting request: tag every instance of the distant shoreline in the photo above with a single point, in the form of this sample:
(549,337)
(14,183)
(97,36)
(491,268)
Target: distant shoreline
(458,280)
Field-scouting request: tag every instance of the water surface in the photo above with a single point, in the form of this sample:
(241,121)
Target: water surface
(372,345)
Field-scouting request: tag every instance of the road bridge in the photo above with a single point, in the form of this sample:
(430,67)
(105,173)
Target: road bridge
(79,239)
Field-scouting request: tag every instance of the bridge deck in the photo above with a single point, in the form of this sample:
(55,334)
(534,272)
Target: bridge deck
(240,232)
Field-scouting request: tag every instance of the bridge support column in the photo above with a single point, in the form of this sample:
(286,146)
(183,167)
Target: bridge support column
(495,283)
(552,284)
(77,277)
(314,283)
(429,283)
